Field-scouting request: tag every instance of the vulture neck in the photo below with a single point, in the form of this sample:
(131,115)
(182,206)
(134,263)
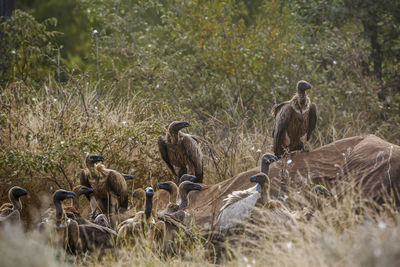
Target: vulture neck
(93,171)
(302,98)
(17,205)
(173,137)
(59,211)
(184,200)
(265,167)
(173,195)
(148,207)
(264,192)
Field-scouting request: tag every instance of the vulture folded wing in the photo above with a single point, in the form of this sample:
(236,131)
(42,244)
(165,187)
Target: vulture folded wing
(312,120)
(282,120)
(84,178)
(194,155)
(162,146)
(237,212)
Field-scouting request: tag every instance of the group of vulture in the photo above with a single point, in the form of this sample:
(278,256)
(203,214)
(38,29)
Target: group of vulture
(163,215)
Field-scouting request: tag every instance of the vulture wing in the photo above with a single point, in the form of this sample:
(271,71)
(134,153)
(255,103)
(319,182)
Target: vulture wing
(96,236)
(117,184)
(162,146)
(312,120)
(282,120)
(194,155)
(84,178)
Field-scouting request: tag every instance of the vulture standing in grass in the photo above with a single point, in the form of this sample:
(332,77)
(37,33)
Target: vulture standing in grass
(11,212)
(181,152)
(143,221)
(73,211)
(110,188)
(177,209)
(295,120)
(66,229)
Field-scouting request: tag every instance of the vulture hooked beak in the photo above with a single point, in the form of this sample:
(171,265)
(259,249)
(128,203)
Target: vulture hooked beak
(188,177)
(165,186)
(178,125)
(61,195)
(19,192)
(269,158)
(258,178)
(303,86)
(85,190)
(193,186)
(128,177)
(96,158)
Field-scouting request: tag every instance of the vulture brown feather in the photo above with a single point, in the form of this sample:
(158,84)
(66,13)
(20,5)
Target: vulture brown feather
(295,120)
(181,152)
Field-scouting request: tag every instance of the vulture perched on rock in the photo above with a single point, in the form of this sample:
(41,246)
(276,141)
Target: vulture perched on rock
(181,152)
(10,212)
(294,121)
(110,188)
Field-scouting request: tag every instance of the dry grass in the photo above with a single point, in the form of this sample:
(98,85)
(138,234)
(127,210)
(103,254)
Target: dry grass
(46,133)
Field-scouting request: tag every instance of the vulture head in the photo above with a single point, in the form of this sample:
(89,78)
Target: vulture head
(188,186)
(149,202)
(18,192)
(187,177)
(83,190)
(168,186)
(176,126)
(61,195)
(92,159)
(262,180)
(303,86)
(266,160)
(102,220)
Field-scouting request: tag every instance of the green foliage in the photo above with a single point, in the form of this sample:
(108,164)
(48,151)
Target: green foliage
(28,53)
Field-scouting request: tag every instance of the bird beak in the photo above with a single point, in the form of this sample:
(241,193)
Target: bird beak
(96,158)
(128,177)
(273,158)
(308,86)
(183,124)
(86,190)
(20,192)
(195,186)
(165,186)
(187,177)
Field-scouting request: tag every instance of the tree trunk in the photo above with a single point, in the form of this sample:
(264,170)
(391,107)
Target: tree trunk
(7,7)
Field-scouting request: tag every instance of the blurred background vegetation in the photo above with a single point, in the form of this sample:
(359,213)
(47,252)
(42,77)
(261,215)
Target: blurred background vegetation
(107,77)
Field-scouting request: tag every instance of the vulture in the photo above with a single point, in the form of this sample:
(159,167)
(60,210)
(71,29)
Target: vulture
(177,210)
(163,229)
(66,229)
(133,228)
(110,188)
(10,212)
(240,205)
(73,211)
(181,152)
(295,120)
(172,190)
